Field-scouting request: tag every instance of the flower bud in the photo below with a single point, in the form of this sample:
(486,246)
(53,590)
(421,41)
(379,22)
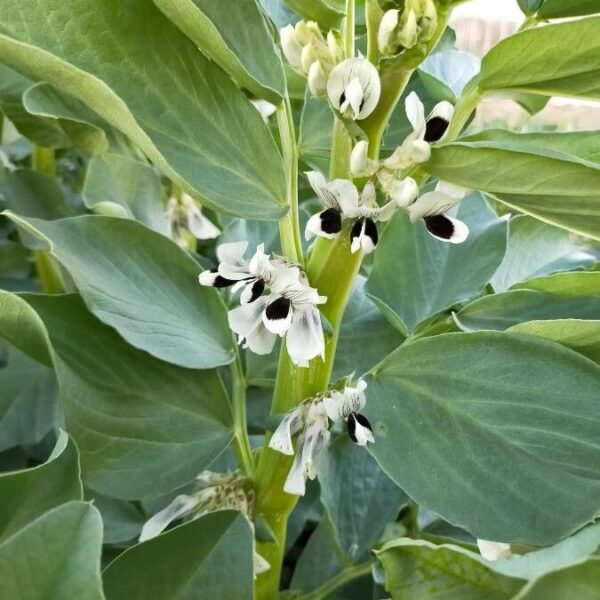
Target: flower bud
(306,31)
(292,49)
(307,57)
(354,88)
(429,20)
(360,164)
(386,37)
(409,34)
(317,80)
(335,50)
(404,192)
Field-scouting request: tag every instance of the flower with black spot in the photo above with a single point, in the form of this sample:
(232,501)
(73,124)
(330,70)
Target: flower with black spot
(346,406)
(416,148)
(184,218)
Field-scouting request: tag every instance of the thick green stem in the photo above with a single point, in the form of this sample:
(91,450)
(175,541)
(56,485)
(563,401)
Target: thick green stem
(240,429)
(341,579)
(289,226)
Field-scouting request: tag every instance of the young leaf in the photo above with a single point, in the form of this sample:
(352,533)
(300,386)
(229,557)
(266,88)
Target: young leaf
(237,40)
(210,557)
(328,13)
(560,9)
(552,177)
(27,494)
(556,60)
(175,104)
(143,426)
(457,416)
(416,276)
(56,556)
(143,285)
(420,570)
(578,283)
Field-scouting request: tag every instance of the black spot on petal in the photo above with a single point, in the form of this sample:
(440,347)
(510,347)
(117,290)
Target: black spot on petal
(331,221)
(356,229)
(221,282)
(342,98)
(353,419)
(278,309)
(258,287)
(371,231)
(440,226)
(435,129)
(362,420)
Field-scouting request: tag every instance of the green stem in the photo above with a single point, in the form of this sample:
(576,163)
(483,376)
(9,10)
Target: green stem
(349,27)
(240,430)
(42,160)
(463,110)
(341,579)
(289,226)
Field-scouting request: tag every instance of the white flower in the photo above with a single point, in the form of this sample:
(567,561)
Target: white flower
(354,88)
(416,147)
(431,208)
(401,191)
(292,423)
(184,215)
(360,163)
(345,406)
(234,270)
(182,505)
(342,201)
(290,310)
(292,49)
(310,444)
(265,108)
(387,31)
(493,551)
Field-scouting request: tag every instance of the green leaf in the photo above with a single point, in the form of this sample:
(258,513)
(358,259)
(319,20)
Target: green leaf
(365,336)
(85,128)
(556,60)
(501,311)
(56,556)
(456,416)
(316,125)
(581,336)
(15,261)
(175,104)
(130,184)
(580,581)
(420,570)
(359,498)
(144,427)
(26,495)
(122,520)
(28,401)
(559,9)
(549,176)
(210,557)
(237,40)
(21,325)
(41,131)
(539,562)
(328,13)
(143,285)
(580,283)
(432,276)
(536,249)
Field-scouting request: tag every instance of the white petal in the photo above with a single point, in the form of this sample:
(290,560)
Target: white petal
(419,152)
(317,181)
(387,27)
(345,194)
(415,112)
(252,289)
(281,440)
(359,160)
(246,321)
(335,406)
(261,564)
(260,265)
(317,80)
(305,339)
(207,278)
(161,520)
(367,77)
(278,323)
(404,192)
(314,228)
(265,108)
(431,203)
(354,99)
(363,435)
(232,264)
(443,110)
(201,227)
(493,550)
(454,191)
(290,46)
(295,482)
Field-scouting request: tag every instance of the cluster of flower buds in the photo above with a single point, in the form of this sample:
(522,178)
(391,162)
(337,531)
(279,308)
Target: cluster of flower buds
(185,221)
(213,491)
(288,308)
(307,51)
(311,420)
(402,30)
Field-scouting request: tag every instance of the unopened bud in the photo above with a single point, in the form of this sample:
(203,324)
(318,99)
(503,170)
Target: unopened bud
(386,37)
(428,22)
(308,57)
(292,49)
(317,80)
(335,50)
(409,33)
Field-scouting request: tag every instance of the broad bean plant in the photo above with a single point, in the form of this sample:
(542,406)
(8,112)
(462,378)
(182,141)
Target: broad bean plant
(280,319)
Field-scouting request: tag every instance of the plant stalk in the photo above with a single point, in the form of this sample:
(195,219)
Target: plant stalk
(240,428)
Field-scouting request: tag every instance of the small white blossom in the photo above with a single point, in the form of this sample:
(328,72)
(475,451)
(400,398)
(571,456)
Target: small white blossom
(317,80)
(292,49)
(416,147)
(342,200)
(387,31)
(431,208)
(401,191)
(184,217)
(360,163)
(493,551)
(354,88)
(265,108)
